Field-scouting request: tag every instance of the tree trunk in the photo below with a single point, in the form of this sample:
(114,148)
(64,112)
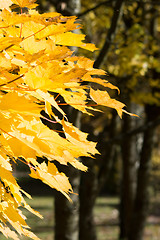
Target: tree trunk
(66,213)
(107,154)
(92,182)
(128,185)
(142,194)
(88,193)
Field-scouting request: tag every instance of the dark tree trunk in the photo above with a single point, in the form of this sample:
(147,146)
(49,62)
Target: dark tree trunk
(88,193)
(142,195)
(108,150)
(92,182)
(128,186)
(118,10)
(66,213)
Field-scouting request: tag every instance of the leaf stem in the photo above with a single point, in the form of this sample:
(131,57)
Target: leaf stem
(13,80)
(34,33)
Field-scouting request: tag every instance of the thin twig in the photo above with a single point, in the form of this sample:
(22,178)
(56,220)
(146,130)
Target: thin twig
(95,7)
(111,33)
(109,2)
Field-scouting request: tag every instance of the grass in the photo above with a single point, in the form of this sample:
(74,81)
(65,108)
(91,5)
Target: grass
(43,228)
(106,219)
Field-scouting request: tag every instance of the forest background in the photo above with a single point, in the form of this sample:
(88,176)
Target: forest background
(127,34)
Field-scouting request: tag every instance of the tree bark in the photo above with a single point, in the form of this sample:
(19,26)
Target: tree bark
(88,193)
(142,194)
(108,154)
(66,213)
(118,9)
(128,185)
(92,182)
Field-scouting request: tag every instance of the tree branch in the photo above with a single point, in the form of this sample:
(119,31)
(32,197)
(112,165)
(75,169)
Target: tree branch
(141,129)
(111,34)
(109,2)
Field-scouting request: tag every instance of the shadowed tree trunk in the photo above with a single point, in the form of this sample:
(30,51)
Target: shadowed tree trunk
(66,213)
(88,191)
(142,194)
(93,181)
(129,150)
(128,185)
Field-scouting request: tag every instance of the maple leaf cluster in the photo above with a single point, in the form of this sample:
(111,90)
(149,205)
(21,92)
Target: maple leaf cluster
(37,68)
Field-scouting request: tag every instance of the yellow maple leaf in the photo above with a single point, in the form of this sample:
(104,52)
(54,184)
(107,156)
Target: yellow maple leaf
(5,4)
(49,99)
(7,232)
(25,3)
(10,101)
(50,175)
(8,42)
(79,138)
(72,39)
(103,98)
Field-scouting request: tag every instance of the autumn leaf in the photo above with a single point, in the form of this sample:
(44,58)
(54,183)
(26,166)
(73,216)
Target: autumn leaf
(72,39)
(25,3)
(103,98)
(5,4)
